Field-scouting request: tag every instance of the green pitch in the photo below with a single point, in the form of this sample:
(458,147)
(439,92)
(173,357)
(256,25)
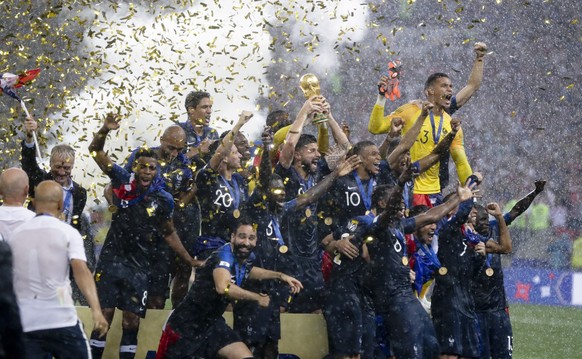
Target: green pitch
(546,332)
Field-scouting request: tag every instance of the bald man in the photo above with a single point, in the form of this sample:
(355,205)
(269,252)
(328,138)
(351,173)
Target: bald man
(14,191)
(175,170)
(44,248)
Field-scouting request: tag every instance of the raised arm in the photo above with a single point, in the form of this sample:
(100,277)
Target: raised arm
(103,160)
(475,78)
(265,169)
(395,201)
(310,106)
(395,131)
(440,149)
(28,157)
(504,246)
(339,136)
(434,214)
(410,137)
(315,192)
(523,204)
(226,144)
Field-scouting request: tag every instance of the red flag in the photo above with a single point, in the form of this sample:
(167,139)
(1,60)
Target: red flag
(22,80)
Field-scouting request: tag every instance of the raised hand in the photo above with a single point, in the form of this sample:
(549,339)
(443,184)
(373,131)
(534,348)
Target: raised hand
(494,209)
(267,137)
(396,127)
(540,184)
(30,126)
(348,165)
(112,121)
(480,49)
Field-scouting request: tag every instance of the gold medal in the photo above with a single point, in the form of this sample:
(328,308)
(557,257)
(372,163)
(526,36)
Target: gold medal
(328,221)
(489,271)
(112,208)
(443,270)
(308,213)
(236,213)
(405,261)
(283,249)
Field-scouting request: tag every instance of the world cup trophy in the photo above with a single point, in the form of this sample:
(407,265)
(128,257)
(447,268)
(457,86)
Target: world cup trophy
(309,84)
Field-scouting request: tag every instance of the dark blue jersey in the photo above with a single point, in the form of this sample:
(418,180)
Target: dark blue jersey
(389,273)
(452,290)
(193,139)
(220,201)
(489,291)
(349,197)
(347,274)
(203,305)
(136,225)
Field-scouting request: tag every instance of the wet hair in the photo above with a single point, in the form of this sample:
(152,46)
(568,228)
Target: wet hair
(145,152)
(380,193)
(304,140)
(418,209)
(194,98)
(244,220)
(358,148)
(62,152)
(432,78)
(273,119)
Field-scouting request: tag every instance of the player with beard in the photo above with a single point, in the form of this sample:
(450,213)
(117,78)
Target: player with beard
(488,290)
(196,327)
(199,135)
(438,89)
(409,327)
(175,172)
(221,192)
(143,212)
(260,327)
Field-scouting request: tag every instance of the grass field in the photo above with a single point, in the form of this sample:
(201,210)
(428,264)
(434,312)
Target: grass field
(546,332)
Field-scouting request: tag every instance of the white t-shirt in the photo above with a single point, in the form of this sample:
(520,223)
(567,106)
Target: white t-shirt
(42,249)
(12,217)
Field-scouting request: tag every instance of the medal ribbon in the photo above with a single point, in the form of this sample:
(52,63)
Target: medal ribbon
(234,192)
(277,230)
(366,194)
(474,238)
(436,136)
(429,253)
(126,198)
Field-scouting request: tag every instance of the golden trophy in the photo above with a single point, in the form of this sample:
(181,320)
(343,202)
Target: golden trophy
(309,84)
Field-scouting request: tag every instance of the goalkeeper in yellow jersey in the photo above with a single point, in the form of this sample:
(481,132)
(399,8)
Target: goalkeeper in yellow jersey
(437,124)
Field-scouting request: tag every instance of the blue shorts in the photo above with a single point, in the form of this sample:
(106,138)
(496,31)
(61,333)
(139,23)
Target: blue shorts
(457,333)
(312,296)
(121,286)
(257,325)
(63,343)
(410,329)
(496,334)
(175,345)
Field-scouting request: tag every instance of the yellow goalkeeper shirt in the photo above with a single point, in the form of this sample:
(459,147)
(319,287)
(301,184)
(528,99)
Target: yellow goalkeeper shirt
(428,181)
